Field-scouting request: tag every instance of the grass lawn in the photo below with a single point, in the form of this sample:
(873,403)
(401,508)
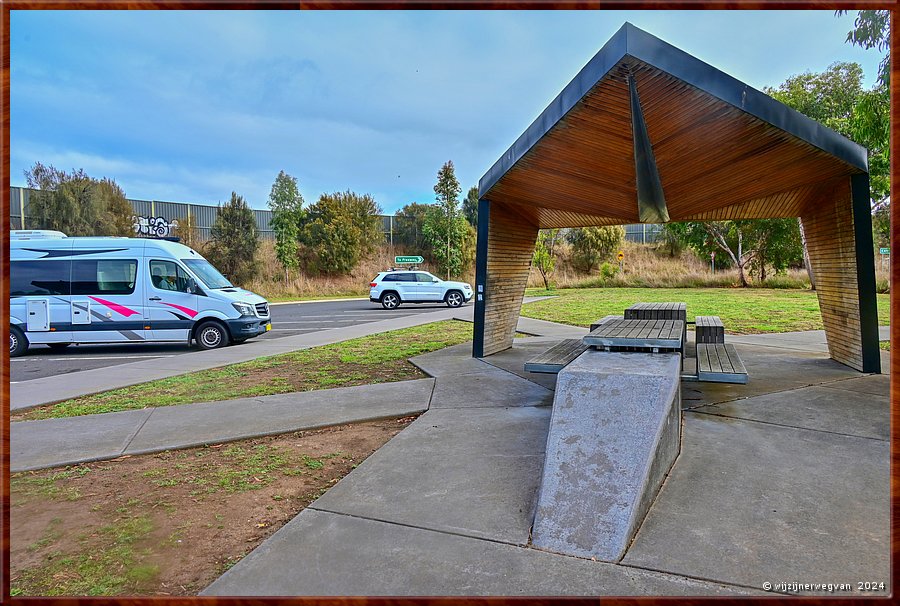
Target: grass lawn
(380,358)
(743,310)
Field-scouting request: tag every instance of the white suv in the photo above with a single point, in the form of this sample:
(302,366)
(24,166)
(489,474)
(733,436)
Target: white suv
(391,288)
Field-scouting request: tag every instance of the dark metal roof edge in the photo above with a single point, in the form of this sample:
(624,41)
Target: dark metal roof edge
(594,71)
(643,46)
(662,55)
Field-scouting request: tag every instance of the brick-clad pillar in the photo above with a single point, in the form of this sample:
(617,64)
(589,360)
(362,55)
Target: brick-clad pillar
(838,230)
(505,246)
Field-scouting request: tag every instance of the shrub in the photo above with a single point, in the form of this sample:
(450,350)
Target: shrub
(76,204)
(592,245)
(338,230)
(234,240)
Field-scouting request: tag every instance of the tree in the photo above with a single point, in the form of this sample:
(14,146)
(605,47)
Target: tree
(338,230)
(834,98)
(446,192)
(187,232)
(593,245)
(871,116)
(774,242)
(234,240)
(286,204)
(408,229)
(437,231)
(544,257)
(470,206)
(77,204)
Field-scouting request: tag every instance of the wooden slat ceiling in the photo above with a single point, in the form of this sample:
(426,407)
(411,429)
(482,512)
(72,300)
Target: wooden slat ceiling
(715,161)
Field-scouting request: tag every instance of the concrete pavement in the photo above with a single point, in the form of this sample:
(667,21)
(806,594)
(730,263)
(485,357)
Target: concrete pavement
(775,482)
(783,479)
(67,441)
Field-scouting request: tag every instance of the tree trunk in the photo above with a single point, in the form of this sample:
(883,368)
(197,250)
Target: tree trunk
(809,270)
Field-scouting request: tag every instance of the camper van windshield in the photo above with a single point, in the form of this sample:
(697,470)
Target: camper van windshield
(208,274)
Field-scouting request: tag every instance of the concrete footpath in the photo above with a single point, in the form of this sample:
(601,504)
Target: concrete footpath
(783,479)
(68,441)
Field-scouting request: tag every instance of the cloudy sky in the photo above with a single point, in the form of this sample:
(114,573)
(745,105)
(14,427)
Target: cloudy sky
(188,106)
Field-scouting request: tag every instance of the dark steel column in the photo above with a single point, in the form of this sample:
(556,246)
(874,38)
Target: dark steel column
(481,260)
(865,272)
(650,198)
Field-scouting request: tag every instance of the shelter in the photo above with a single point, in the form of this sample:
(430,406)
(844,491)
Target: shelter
(648,133)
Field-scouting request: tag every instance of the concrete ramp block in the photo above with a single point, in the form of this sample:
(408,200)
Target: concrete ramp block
(615,431)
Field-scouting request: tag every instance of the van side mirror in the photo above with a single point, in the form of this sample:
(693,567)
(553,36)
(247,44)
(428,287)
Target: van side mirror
(191,286)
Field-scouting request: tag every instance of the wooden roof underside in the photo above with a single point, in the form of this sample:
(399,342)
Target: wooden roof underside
(715,160)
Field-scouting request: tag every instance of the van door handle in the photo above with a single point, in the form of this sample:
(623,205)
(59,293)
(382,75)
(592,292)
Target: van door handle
(156,298)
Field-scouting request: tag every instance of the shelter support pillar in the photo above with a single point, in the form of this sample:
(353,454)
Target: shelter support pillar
(838,229)
(503,261)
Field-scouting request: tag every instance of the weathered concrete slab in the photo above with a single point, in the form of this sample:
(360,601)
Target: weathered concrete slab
(778,370)
(877,385)
(614,433)
(753,502)
(822,408)
(473,472)
(195,424)
(53,442)
(324,554)
(492,388)
(450,361)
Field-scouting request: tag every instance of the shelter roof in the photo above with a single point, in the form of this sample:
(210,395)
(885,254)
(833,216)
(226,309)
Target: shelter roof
(646,132)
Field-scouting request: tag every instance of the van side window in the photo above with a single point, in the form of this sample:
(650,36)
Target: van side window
(166,275)
(36,278)
(104,276)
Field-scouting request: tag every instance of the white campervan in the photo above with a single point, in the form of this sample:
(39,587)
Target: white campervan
(122,290)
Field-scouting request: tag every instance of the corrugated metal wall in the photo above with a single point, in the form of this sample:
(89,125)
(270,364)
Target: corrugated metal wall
(156,218)
(152,217)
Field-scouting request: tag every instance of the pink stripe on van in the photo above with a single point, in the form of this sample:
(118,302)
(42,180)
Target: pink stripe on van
(186,310)
(125,311)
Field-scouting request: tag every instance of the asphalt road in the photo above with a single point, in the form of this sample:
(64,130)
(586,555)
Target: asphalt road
(289,319)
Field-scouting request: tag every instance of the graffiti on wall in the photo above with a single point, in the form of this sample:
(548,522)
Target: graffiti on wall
(154,227)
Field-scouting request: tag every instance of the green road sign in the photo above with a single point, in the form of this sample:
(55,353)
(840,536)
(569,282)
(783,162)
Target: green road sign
(884,251)
(399,260)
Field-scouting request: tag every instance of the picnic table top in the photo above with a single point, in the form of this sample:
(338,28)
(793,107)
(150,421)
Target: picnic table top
(637,333)
(659,306)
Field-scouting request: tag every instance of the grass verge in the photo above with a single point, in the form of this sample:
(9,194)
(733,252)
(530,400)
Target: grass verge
(171,523)
(379,358)
(743,310)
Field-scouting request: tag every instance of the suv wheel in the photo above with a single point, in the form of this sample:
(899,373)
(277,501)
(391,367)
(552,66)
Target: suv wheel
(211,335)
(390,300)
(18,343)
(455,298)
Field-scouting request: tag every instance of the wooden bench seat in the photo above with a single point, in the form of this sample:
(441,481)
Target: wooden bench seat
(719,363)
(557,357)
(709,329)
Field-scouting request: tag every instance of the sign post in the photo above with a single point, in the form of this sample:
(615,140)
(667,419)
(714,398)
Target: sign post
(884,251)
(712,261)
(621,258)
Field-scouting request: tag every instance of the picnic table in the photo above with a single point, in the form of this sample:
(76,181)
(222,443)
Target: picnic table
(656,335)
(653,327)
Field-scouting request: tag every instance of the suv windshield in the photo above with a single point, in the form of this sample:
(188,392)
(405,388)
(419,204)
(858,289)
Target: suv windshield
(208,274)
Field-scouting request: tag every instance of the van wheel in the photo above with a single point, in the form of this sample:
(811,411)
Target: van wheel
(211,335)
(390,300)
(18,343)
(58,345)
(454,298)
